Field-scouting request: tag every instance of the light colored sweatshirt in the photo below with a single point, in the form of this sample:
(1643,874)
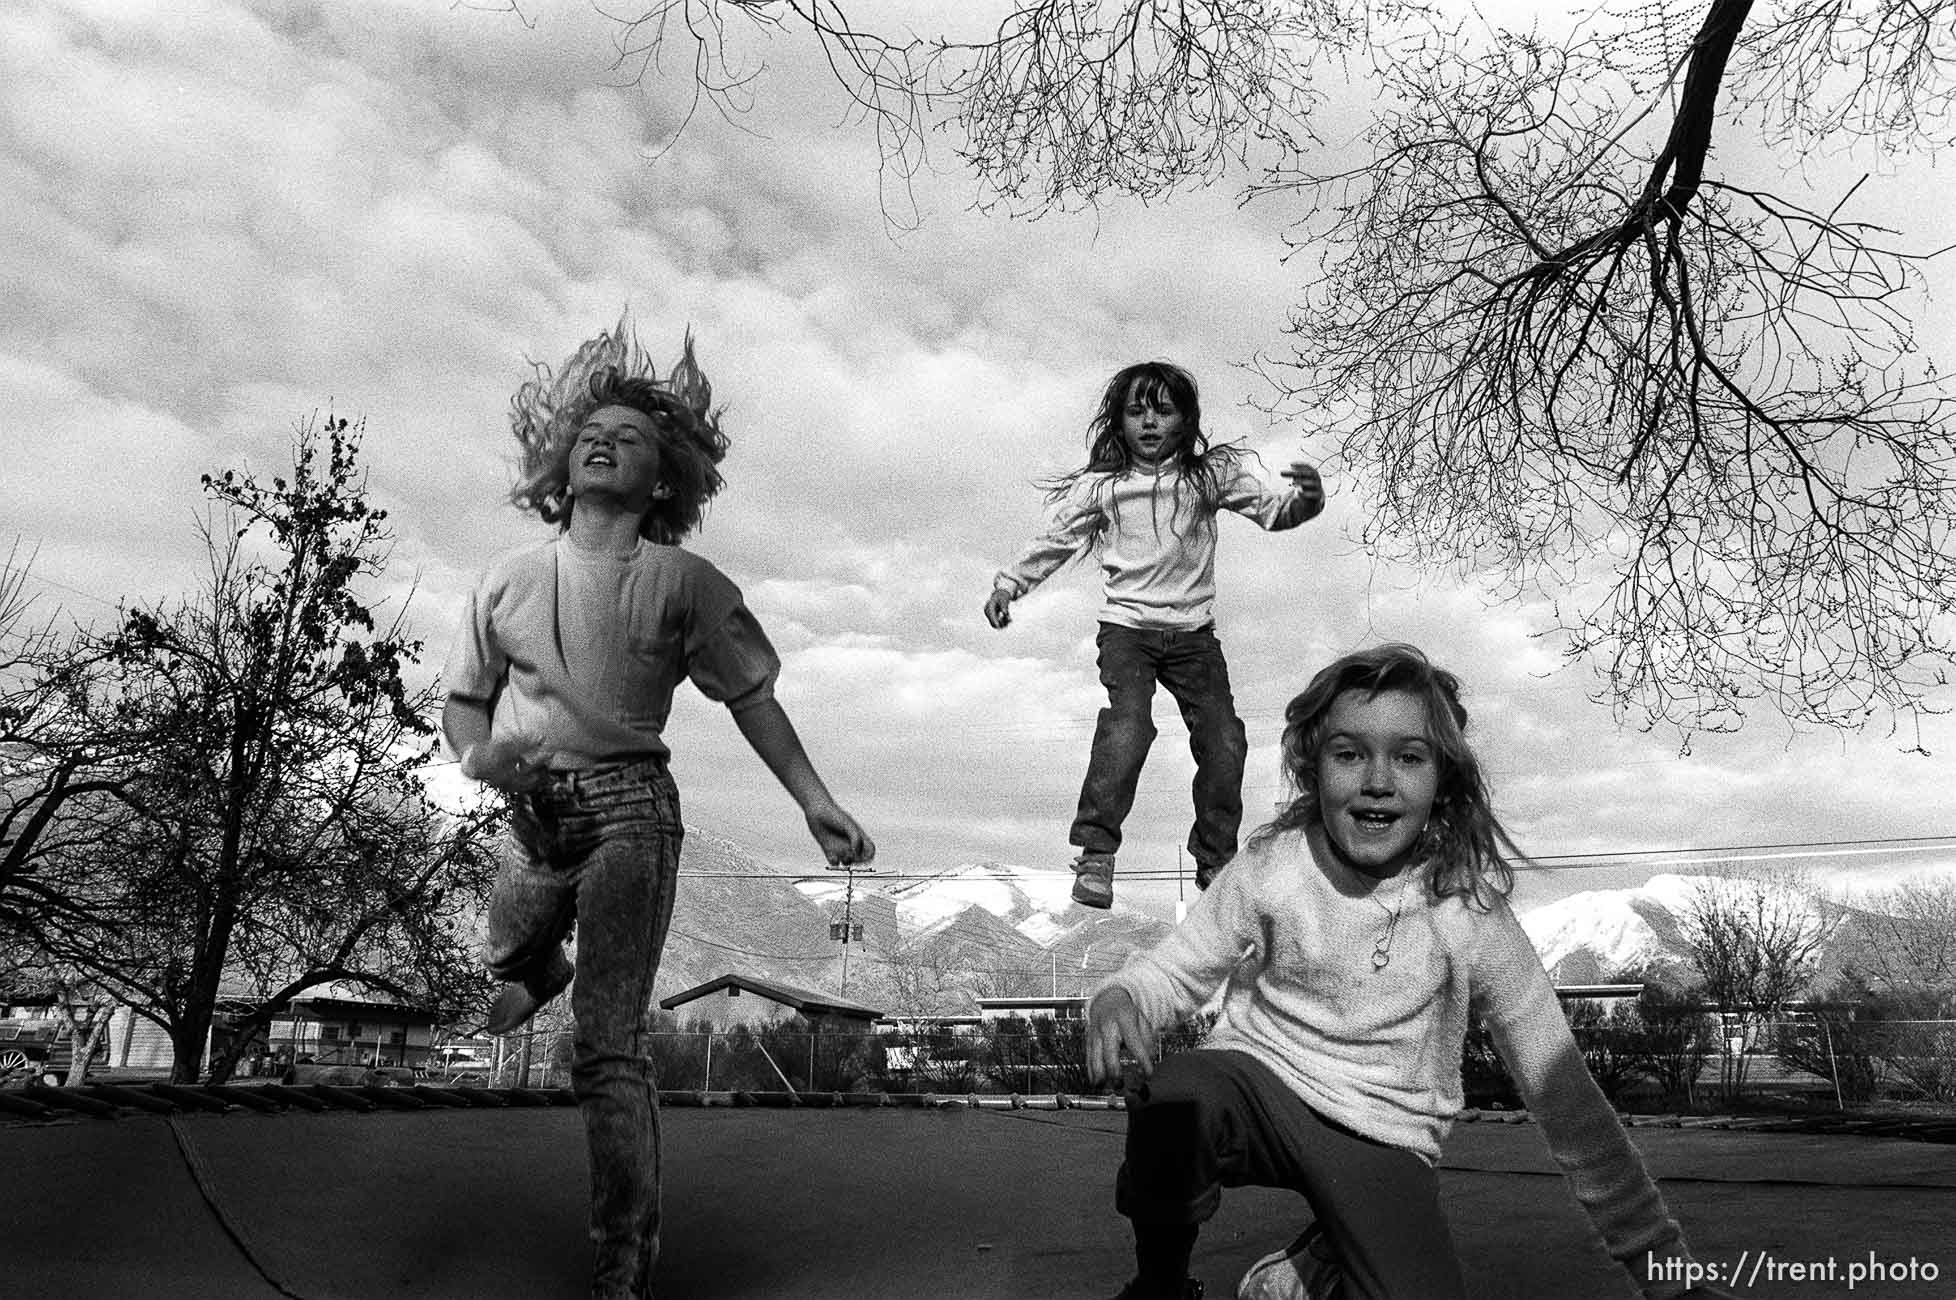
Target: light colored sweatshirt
(1292,931)
(1158,552)
(583,650)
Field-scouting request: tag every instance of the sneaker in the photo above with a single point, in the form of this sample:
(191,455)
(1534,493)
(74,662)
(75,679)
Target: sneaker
(519,1000)
(1093,880)
(1304,1270)
(1191,1290)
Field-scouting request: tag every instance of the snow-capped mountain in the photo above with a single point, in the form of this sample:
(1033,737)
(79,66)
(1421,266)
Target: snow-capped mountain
(1014,930)
(990,928)
(1592,936)
(732,914)
(927,944)
(1599,934)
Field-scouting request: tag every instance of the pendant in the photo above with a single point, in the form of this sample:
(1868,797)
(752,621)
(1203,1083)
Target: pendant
(1381,957)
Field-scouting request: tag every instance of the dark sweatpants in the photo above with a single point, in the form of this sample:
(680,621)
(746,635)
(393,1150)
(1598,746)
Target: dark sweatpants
(1211,1119)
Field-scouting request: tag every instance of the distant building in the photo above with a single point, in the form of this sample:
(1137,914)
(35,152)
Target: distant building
(925,1024)
(820,1008)
(1075,1008)
(1056,1008)
(34,1039)
(354,1031)
(1598,992)
(138,1043)
(333,1025)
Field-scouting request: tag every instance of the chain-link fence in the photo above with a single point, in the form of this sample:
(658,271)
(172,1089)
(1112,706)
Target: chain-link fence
(1907,1060)
(1010,1056)
(1642,1057)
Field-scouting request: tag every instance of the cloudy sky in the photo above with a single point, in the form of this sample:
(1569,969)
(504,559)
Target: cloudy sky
(215,222)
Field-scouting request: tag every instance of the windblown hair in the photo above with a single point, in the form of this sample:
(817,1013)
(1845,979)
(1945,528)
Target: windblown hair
(613,370)
(1200,468)
(1463,842)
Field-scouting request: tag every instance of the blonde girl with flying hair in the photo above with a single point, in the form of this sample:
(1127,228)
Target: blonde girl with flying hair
(559,686)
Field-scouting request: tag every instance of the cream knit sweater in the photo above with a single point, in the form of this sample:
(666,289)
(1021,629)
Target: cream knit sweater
(1292,930)
(1157,550)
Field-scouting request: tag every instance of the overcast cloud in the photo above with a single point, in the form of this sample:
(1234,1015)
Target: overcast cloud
(214,223)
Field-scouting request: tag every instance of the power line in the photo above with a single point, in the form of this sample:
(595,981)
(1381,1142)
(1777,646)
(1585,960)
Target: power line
(890,959)
(1537,861)
(1923,841)
(32,576)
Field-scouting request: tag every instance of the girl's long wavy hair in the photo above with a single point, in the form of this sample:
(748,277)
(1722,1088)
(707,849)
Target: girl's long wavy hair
(613,370)
(1200,469)
(1466,848)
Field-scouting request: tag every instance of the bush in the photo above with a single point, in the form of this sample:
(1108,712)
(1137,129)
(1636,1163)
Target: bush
(1673,1040)
(1907,1032)
(1834,1044)
(1612,1044)
(1484,1078)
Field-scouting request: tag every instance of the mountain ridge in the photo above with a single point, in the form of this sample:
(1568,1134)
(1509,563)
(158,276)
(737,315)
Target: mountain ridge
(936,943)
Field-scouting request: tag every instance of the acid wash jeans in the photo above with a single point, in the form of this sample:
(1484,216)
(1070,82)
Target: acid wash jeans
(600,848)
(1190,664)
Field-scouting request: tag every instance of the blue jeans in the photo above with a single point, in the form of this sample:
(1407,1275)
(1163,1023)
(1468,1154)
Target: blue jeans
(1190,664)
(601,849)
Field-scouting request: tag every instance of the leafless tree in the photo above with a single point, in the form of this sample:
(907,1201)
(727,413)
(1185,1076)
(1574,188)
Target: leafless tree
(1756,943)
(1559,349)
(82,1006)
(1563,353)
(64,788)
(1903,941)
(1054,103)
(919,978)
(85,1009)
(254,821)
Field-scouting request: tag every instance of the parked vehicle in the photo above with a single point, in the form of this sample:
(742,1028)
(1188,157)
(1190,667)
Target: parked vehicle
(36,1049)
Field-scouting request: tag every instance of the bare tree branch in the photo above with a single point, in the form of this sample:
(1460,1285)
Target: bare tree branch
(1557,356)
(1558,349)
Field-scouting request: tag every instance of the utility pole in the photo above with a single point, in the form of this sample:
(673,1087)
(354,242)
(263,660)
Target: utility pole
(1181,888)
(848,930)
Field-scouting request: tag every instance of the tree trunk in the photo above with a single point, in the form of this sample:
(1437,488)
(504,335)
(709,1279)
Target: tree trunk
(84,1044)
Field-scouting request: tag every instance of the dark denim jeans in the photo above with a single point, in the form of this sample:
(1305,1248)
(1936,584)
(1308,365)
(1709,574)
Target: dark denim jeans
(1210,1119)
(601,849)
(1190,664)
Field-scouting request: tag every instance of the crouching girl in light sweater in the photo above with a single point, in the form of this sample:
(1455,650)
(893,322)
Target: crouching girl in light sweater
(1357,933)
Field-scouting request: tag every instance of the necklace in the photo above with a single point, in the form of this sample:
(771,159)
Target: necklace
(1382,948)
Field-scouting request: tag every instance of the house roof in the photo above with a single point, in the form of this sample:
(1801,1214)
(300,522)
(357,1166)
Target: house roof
(1598,991)
(802,1000)
(1007,1004)
(359,1006)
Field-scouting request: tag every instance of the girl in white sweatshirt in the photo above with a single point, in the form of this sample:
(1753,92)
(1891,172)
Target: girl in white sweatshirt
(1146,503)
(1357,933)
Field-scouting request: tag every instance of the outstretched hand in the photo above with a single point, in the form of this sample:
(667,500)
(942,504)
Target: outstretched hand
(1308,482)
(844,843)
(514,763)
(998,607)
(1114,1022)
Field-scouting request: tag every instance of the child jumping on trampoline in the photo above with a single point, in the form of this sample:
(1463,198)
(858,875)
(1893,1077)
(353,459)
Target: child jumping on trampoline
(1146,501)
(559,686)
(1357,933)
